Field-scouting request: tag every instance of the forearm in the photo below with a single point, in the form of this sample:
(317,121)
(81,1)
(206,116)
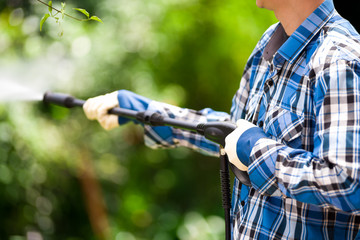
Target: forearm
(166,137)
(321,178)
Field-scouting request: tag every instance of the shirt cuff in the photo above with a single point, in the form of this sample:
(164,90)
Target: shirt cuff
(263,163)
(246,143)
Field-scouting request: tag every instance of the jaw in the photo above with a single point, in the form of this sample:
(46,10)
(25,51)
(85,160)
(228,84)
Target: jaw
(272,5)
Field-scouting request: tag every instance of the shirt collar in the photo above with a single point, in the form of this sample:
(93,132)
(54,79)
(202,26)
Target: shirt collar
(305,32)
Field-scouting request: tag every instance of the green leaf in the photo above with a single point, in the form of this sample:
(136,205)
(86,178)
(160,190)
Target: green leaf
(62,10)
(50,6)
(83,11)
(46,16)
(95,18)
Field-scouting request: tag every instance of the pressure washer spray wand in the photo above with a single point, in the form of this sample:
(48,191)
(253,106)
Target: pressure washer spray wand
(214,131)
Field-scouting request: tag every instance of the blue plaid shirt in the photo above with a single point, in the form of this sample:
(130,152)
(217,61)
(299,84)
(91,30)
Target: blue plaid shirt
(303,92)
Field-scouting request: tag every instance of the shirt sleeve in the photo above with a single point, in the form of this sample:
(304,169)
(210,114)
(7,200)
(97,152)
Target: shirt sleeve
(169,137)
(328,176)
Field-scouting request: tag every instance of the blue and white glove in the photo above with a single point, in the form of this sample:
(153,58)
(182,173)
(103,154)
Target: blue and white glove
(239,143)
(97,108)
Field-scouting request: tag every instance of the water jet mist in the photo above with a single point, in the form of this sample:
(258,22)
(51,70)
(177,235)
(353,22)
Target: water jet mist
(27,81)
(11,91)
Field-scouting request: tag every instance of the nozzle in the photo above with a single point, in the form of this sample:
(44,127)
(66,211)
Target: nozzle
(62,99)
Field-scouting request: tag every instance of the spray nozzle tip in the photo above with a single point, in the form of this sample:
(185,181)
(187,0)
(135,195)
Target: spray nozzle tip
(61,99)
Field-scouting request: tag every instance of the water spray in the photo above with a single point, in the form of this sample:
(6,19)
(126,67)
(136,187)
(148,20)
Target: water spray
(214,131)
(11,91)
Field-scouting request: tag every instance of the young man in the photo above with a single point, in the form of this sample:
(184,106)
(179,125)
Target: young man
(298,135)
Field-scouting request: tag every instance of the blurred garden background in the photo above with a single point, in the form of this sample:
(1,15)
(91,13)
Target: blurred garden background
(64,177)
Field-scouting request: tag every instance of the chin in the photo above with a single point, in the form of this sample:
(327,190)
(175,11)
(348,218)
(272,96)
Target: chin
(260,3)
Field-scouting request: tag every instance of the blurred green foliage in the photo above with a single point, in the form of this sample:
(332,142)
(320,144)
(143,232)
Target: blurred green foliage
(189,53)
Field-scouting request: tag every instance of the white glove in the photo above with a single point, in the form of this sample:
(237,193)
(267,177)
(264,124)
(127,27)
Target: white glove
(231,141)
(97,109)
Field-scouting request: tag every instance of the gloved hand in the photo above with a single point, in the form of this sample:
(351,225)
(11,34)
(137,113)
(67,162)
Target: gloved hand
(233,145)
(97,108)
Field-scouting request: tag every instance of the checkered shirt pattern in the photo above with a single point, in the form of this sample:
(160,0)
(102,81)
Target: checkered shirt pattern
(305,174)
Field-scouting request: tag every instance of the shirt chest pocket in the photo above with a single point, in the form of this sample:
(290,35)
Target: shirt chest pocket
(284,126)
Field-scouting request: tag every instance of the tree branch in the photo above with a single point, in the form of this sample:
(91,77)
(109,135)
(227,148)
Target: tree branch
(78,19)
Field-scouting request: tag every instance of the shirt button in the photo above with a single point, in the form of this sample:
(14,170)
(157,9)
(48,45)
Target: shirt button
(261,124)
(270,83)
(242,203)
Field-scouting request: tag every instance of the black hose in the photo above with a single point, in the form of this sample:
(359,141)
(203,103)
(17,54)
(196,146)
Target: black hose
(225,190)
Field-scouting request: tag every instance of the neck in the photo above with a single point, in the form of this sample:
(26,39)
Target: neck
(292,15)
